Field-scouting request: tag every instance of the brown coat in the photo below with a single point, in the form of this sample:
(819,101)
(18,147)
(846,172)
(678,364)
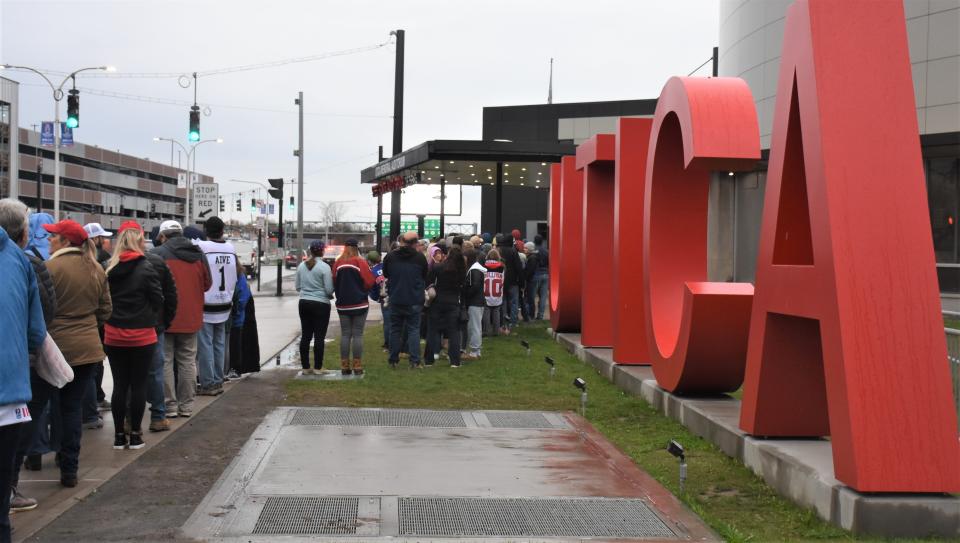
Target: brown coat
(83,304)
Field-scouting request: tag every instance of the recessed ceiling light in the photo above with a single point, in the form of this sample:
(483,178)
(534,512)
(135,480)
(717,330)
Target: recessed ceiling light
(451,162)
(437,167)
(429,179)
(423,171)
(506,173)
(506,180)
(489,177)
(543,163)
(475,181)
(524,169)
(471,165)
(730,174)
(473,174)
(521,184)
(506,165)
(491,184)
(488,169)
(539,173)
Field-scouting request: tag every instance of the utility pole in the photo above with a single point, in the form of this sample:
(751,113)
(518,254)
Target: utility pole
(716,61)
(299,154)
(378,235)
(397,130)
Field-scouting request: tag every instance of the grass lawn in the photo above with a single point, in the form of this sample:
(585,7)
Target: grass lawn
(737,504)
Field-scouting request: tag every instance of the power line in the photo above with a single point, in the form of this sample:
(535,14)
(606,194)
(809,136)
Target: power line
(227,70)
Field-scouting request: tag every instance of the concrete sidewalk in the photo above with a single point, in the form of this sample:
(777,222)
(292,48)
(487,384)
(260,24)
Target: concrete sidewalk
(278,324)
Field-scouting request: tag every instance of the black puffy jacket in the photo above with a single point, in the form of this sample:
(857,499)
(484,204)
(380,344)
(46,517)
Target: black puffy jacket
(168,286)
(135,291)
(48,296)
(448,281)
(473,287)
(513,274)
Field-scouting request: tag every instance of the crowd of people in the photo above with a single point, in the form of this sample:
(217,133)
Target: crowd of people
(448,294)
(74,295)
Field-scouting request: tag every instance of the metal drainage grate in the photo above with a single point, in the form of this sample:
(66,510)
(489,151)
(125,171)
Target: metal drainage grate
(517,419)
(384,417)
(530,517)
(300,515)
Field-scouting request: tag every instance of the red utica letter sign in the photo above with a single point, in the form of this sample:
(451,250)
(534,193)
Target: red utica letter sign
(566,211)
(846,334)
(630,154)
(595,159)
(697,331)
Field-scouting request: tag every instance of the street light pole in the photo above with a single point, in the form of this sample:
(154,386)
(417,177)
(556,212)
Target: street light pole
(190,154)
(57,96)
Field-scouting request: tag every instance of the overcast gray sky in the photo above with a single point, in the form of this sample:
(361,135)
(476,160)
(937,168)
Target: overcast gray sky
(460,57)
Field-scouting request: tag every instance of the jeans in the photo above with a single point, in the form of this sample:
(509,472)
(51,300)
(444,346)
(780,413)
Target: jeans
(475,329)
(71,400)
(538,286)
(41,391)
(445,318)
(179,390)
(351,333)
(129,367)
(8,449)
(314,320)
(158,405)
(492,319)
(93,395)
(405,319)
(385,311)
(210,354)
(513,304)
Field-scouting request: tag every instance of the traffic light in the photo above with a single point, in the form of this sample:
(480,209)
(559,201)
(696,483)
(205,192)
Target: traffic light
(253,204)
(291,202)
(194,134)
(73,108)
(223,206)
(239,206)
(277,190)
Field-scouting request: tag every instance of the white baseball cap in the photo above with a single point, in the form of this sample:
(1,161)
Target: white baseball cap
(94,230)
(168,226)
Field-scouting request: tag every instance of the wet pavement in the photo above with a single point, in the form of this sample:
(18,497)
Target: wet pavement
(326,473)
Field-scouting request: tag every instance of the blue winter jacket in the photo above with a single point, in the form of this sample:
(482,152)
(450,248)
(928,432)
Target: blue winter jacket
(240,308)
(21,319)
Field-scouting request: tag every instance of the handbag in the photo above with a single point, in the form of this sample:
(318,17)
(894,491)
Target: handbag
(50,364)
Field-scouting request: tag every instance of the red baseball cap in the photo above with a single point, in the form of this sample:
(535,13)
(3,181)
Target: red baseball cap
(69,229)
(130,224)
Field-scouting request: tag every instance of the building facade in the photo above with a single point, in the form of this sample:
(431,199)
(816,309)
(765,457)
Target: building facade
(9,136)
(751,36)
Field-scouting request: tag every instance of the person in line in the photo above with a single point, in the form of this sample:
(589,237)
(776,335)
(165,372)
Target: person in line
(436,254)
(218,301)
(96,397)
(238,318)
(130,335)
(314,282)
(21,319)
(405,269)
(15,290)
(539,285)
(378,293)
(168,312)
(530,265)
(191,273)
(83,304)
(474,301)
(352,280)
(493,320)
(447,278)
(512,278)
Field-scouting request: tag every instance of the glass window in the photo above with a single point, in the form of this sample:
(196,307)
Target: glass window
(942,192)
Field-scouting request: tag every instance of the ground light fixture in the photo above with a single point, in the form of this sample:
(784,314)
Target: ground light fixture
(552,364)
(526,345)
(582,385)
(676,449)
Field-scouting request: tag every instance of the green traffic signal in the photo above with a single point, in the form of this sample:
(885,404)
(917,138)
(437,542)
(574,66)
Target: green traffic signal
(73,109)
(193,136)
(72,122)
(194,133)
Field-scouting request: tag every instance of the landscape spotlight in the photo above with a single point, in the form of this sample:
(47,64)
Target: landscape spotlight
(553,367)
(676,450)
(582,385)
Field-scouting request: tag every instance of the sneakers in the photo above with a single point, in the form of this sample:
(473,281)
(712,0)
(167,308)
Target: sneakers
(172,414)
(212,391)
(104,405)
(136,441)
(94,424)
(185,414)
(470,356)
(233,375)
(119,441)
(19,502)
(306,371)
(454,365)
(161,425)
